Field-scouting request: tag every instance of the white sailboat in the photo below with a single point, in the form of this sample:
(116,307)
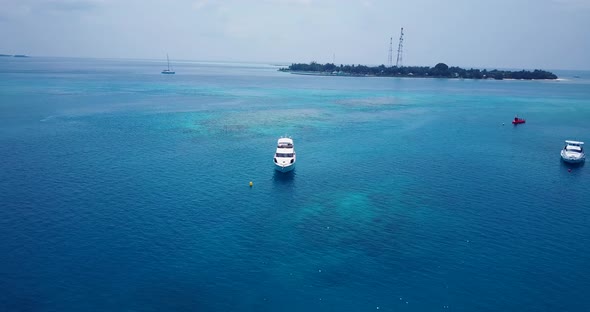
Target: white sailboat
(168,71)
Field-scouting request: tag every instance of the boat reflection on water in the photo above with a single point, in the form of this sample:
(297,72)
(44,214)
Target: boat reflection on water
(284,177)
(571,167)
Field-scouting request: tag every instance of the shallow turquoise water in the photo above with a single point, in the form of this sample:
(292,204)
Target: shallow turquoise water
(126,190)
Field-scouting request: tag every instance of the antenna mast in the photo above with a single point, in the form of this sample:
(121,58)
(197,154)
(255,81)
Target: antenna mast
(390,57)
(400,48)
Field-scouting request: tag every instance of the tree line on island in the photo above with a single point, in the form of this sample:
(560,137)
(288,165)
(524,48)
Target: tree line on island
(440,70)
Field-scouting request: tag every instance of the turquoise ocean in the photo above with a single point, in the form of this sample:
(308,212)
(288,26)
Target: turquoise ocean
(122,189)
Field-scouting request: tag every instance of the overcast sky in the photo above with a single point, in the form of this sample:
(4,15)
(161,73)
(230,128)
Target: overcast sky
(547,34)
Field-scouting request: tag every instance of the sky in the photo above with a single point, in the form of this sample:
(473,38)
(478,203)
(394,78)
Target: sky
(515,34)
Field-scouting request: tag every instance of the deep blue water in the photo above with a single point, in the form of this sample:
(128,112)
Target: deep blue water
(122,189)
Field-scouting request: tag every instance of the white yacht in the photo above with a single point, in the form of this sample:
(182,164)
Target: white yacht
(573,152)
(285,155)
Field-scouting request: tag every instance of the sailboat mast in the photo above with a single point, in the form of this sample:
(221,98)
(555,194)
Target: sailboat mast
(168,71)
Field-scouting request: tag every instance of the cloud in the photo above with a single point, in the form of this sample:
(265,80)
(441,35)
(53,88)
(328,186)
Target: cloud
(26,7)
(573,4)
(290,2)
(200,4)
(367,4)
(72,5)
(197,5)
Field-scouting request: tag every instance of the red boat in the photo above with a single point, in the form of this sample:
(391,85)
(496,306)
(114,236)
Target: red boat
(517,121)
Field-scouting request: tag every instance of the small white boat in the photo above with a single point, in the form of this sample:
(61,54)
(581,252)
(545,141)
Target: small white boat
(285,155)
(573,152)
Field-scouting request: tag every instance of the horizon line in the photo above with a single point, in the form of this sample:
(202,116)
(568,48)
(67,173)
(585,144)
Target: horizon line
(280,63)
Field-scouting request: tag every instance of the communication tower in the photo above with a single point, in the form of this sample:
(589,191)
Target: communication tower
(390,57)
(400,49)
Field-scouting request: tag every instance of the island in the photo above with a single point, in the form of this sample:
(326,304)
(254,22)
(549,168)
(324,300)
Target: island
(440,70)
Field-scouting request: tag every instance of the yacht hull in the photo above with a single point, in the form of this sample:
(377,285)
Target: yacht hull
(572,159)
(288,168)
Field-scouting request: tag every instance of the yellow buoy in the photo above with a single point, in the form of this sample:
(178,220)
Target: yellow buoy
(251,184)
